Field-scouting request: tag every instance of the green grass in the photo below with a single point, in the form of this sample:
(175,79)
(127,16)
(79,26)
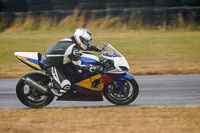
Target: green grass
(148,52)
(162,51)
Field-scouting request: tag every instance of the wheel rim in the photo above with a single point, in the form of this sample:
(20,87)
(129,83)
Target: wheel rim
(125,92)
(32,96)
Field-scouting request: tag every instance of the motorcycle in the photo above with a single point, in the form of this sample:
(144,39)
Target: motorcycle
(114,83)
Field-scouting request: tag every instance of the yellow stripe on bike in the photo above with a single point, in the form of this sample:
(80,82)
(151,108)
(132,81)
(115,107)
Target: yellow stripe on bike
(87,83)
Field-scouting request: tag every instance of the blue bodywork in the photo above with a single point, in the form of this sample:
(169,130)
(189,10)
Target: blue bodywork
(68,68)
(41,63)
(127,76)
(87,60)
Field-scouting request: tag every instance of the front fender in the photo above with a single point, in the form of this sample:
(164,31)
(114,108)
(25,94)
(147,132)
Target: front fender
(127,76)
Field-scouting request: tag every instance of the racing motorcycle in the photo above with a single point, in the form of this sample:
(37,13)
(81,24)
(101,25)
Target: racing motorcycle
(114,83)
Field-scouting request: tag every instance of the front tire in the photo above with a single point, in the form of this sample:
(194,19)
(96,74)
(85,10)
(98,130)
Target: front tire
(123,95)
(30,96)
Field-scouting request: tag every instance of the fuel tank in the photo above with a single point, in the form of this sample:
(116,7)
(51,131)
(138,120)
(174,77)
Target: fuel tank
(89,59)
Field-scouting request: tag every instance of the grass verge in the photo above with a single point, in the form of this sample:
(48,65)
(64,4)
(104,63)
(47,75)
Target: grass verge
(109,120)
(147,51)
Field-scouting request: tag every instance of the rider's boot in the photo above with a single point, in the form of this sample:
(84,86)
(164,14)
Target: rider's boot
(65,85)
(57,89)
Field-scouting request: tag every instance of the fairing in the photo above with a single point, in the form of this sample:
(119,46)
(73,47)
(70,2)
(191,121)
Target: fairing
(32,59)
(89,59)
(127,76)
(35,59)
(120,63)
(91,85)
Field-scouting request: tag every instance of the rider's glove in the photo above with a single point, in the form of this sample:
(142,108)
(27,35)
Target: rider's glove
(96,69)
(102,61)
(99,49)
(99,69)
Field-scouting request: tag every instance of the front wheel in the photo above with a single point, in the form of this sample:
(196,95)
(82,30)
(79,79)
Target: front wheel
(29,96)
(122,92)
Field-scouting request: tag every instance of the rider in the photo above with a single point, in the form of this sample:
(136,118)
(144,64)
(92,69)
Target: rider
(68,50)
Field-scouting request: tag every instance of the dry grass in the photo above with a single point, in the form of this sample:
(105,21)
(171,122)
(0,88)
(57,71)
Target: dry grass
(147,51)
(102,120)
(45,22)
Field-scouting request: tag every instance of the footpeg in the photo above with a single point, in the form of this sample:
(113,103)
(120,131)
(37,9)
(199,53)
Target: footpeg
(67,87)
(63,91)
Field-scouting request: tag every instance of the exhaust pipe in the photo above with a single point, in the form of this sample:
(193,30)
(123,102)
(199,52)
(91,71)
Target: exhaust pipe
(35,85)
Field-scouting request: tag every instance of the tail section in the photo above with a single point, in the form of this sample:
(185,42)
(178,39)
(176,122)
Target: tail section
(32,59)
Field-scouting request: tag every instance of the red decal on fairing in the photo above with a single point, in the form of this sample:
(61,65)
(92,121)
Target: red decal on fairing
(106,79)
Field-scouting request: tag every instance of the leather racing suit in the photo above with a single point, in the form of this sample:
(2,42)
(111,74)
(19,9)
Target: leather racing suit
(64,52)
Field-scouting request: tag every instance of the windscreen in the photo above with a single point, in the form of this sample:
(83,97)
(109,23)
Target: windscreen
(110,51)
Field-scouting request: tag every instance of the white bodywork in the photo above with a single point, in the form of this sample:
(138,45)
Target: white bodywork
(119,61)
(30,58)
(31,55)
(110,53)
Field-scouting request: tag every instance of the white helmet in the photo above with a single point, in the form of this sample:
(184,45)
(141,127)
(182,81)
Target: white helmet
(84,38)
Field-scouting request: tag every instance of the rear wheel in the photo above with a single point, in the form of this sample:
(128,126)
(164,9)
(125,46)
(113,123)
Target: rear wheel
(122,93)
(30,96)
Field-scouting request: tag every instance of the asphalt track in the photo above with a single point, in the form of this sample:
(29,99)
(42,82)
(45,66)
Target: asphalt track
(155,90)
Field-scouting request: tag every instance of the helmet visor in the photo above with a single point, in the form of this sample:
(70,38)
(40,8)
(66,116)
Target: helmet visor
(86,42)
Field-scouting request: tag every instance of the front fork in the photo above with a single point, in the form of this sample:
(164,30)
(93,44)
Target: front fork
(119,83)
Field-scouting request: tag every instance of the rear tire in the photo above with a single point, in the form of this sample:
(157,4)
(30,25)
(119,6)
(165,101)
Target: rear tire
(128,93)
(31,97)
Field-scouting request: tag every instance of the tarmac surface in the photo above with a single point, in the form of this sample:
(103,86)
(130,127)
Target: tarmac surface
(155,91)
